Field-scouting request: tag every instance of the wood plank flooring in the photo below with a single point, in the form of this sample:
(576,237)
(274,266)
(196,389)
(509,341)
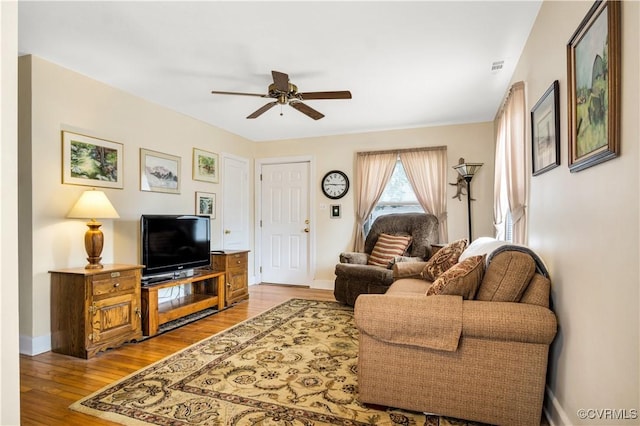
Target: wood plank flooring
(50,382)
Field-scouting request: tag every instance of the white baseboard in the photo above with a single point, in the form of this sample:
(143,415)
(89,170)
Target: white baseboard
(554,412)
(35,345)
(322,284)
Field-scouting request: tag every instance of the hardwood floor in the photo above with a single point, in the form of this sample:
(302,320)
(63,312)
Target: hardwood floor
(50,382)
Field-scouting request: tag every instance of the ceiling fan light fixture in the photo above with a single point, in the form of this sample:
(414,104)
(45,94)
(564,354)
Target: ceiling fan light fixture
(285,92)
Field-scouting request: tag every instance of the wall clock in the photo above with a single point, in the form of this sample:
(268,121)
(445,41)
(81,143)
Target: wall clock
(335,184)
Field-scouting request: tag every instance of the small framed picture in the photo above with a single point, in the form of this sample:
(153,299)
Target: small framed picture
(91,161)
(205,166)
(545,131)
(159,172)
(335,211)
(206,204)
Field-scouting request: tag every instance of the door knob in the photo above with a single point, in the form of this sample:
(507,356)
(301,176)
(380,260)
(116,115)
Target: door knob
(306,230)
(227,231)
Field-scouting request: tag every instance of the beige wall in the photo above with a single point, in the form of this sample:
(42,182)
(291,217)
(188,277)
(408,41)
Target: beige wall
(9,365)
(64,100)
(474,142)
(585,225)
(54,99)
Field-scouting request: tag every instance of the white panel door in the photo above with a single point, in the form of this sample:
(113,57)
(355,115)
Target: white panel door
(285,223)
(235,205)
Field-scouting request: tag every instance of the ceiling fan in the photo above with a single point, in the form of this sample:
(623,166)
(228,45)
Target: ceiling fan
(285,92)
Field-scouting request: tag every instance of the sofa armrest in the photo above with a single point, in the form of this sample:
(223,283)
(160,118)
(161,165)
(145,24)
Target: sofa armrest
(354,257)
(438,322)
(408,269)
(429,322)
(508,321)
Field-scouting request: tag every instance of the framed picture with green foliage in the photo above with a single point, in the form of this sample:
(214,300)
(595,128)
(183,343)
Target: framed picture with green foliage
(91,161)
(205,166)
(593,58)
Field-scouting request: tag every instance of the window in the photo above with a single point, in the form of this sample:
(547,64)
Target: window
(398,197)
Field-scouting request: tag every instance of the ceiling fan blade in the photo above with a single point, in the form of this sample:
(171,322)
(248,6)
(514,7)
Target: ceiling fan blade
(217,92)
(281,80)
(306,109)
(263,109)
(344,94)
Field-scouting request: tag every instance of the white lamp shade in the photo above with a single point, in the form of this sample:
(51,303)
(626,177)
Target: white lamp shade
(93,204)
(468,169)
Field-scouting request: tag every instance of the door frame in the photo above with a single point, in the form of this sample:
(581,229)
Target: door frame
(259,162)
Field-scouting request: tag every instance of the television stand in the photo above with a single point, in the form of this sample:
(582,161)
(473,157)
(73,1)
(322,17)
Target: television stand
(205,289)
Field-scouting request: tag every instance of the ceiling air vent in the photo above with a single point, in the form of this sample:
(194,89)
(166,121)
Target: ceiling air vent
(497,65)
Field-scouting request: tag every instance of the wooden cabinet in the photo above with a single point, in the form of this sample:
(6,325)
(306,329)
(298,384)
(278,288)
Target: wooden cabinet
(205,289)
(235,265)
(94,309)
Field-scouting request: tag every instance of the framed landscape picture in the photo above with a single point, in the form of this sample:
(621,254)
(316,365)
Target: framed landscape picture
(91,161)
(205,166)
(593,58)
(159,172)
(545,131)
(206,204)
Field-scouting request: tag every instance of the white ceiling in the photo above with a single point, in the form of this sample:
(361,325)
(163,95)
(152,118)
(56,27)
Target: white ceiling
(407,64)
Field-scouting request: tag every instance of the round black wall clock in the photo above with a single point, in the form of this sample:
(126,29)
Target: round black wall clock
(335,184)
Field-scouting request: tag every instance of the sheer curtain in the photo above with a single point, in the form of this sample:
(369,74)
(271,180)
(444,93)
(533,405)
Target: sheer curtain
(426,170)
(373,171)
(511,184)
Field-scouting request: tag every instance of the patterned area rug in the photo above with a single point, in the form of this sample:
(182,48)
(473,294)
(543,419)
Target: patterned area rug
(292,365)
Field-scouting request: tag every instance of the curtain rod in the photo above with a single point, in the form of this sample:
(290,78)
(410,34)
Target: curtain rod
(399,151)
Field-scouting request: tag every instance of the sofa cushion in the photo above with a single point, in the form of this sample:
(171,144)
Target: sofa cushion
(462,279)
(506,277)
(415,286)
(537,292)
(444,259)
(387,248)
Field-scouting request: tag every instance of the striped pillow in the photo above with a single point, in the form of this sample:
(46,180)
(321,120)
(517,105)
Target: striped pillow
(387,247)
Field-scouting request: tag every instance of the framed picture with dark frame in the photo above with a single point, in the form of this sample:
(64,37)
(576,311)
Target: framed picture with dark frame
(91,161)
(206,204)
(159,172)
(593,59)
(545,131)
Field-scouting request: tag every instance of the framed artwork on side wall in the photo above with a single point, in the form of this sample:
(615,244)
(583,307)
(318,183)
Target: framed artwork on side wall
(593,58)
(545,131)
(159,172)
(91,161)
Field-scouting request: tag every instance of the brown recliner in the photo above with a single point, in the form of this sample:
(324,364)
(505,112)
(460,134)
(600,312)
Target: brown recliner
(354,276)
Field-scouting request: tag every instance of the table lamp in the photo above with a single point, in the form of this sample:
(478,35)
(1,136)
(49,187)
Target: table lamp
(93,205)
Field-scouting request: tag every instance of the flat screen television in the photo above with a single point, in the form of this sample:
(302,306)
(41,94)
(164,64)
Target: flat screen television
(171,244)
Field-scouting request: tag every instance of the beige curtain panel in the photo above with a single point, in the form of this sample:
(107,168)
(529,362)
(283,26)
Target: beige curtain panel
(373,171)
(510,171)
(427,173)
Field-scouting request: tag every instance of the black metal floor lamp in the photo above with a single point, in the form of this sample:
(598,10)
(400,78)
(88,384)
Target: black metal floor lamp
(467,171)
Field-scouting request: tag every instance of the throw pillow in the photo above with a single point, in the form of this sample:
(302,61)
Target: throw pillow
(462,279)
(387,248)
(444,259)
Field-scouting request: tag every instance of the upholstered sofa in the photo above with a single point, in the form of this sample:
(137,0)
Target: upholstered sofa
(356,275)
(478,353)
